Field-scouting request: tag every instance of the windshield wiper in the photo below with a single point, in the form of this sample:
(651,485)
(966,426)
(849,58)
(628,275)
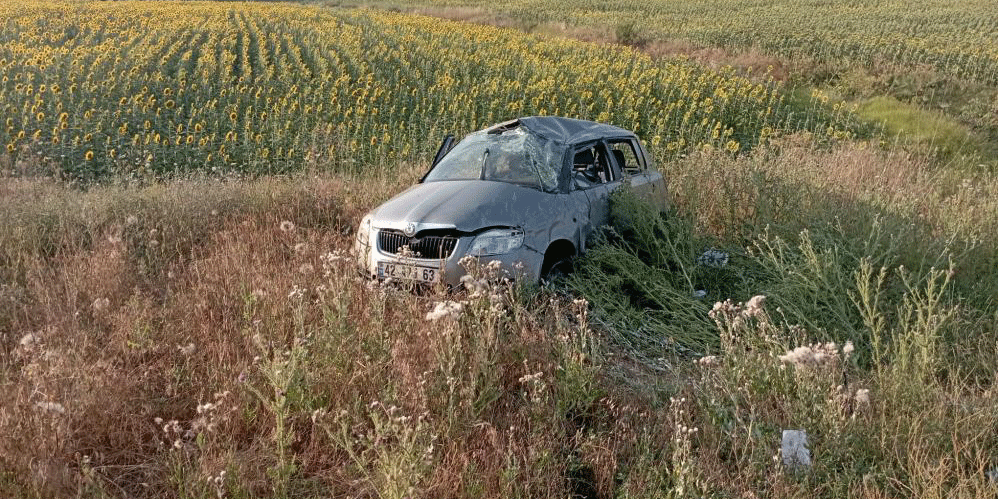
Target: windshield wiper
(485,158)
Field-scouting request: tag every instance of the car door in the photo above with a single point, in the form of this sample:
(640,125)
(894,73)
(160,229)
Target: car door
(594,174)
(633,165)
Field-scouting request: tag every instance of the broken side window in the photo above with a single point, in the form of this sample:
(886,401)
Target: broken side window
(592,166)
(626,156)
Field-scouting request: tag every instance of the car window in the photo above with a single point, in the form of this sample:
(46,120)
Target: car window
(514,155)
(462,162)
(626,155)
(591,165)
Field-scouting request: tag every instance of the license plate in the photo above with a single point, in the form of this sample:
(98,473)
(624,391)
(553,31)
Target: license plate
(407,272)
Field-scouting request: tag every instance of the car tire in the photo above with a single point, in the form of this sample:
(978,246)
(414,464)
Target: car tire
(557,270)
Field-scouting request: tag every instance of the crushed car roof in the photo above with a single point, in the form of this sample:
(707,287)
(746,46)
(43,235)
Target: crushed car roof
(564,130)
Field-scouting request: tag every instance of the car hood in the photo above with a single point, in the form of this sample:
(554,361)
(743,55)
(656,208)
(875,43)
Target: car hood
(466,205)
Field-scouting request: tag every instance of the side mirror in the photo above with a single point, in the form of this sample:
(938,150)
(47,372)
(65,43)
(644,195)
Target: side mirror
(445,147)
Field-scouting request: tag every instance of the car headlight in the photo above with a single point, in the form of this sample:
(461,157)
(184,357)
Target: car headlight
(363,243)
(496,242)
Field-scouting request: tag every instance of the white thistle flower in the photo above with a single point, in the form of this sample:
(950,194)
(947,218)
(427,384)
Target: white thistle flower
(28,340)
(296,292)
(474,286)
(446,310)
(756,301)
(101,304)
(755,306)
(53,407)
(709,360)
(863,396)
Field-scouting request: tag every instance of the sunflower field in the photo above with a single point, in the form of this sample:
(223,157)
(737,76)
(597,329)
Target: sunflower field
(956,38)
(98,90)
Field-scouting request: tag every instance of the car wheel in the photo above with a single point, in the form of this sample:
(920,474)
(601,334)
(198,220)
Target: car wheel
(556,271)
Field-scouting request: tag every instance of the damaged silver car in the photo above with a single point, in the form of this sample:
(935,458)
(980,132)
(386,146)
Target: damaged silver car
(528,193)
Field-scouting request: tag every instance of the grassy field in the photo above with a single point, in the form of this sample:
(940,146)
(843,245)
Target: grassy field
(182,317)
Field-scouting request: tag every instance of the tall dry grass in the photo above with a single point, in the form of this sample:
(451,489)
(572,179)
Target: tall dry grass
(213,339)
(852,244)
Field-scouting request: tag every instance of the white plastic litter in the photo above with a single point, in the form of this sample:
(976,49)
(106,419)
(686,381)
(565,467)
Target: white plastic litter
(700,293)
(993,476)
(796,455)
(713,258)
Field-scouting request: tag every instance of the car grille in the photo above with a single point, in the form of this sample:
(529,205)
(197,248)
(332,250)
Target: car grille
(391,241)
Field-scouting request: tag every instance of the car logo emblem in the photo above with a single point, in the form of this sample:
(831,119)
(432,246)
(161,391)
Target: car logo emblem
(410,229)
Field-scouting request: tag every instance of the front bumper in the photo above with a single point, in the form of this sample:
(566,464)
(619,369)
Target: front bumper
(521,263)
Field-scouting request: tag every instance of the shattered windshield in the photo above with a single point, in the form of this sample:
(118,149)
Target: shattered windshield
(514,156)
